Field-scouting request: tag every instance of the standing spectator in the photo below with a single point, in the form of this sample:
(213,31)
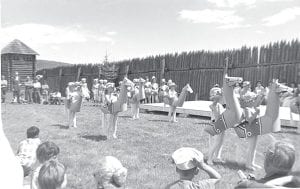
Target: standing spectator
(16,88)
(259,89)
(26,153)
(28,89)
(162,90)
(36,91)
(148,90)
(154,90)
(189,162)
(45,93)
(3,88)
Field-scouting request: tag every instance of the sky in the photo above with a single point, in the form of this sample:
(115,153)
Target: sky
(82,31)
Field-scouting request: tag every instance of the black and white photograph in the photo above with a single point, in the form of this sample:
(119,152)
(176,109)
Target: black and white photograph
(150,94)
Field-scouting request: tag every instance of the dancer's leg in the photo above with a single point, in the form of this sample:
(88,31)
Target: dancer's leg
(133,105)
(174,115)
(115,119)
(216,148)
(138,110)
(70,118)
(170,114)
(250,163)
(74,120)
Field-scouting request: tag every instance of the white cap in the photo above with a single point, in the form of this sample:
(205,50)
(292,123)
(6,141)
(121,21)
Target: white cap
(183,158)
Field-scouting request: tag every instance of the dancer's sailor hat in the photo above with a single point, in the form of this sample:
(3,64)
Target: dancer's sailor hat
(110,85)
(183,158)
(172,84)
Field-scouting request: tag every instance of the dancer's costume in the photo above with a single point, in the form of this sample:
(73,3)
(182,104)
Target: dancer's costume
(148,89)
(171,97)
(74,101)
(101,92)
(85,91)
(95,91)
(110,105)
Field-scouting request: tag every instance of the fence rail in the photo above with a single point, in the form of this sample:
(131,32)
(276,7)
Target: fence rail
(202,69)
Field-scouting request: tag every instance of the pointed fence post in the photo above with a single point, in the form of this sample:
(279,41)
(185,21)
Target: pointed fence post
(162,69)
(78,74)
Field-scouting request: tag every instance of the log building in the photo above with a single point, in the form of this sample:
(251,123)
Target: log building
(17,57)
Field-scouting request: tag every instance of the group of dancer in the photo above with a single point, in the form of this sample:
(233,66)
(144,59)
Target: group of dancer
(242,110)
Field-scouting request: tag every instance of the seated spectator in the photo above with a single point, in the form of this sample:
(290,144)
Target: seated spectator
(45,152)
(111,174)
(52,175)
(279,160)
(188,163)
(26,153)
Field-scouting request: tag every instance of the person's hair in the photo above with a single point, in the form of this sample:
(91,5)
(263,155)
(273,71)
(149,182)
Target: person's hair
(186,173)
(280,157)
(46,151)
(51,175)
(112,171)
(33,132)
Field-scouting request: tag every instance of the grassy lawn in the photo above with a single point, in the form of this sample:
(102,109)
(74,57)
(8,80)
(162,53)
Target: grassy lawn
(144,146)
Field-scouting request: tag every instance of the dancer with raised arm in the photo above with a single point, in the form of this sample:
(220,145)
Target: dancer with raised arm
(174,101)
(233,116)
(137,94)
(114,104)
(74,99)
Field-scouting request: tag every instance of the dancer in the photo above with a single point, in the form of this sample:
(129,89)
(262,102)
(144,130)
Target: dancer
(154,91)
(3,88)
(75,100)
(84,89)
(162,90)
(148,90)
(95,90)
(233,116)
(114,104)
(174,101)
(216,110)
(137,94)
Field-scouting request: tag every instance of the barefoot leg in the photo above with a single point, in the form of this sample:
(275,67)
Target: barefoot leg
(174,115)
(114,123)
(216,148)
(250,163)
(74,120)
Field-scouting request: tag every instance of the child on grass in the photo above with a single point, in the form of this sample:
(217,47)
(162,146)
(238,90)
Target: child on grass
(52,175)
(216,110)
(45,152)
(188,163)
(111,174)
(26,153)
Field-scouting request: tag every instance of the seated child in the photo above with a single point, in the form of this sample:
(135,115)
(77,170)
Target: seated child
(216,110)
(26,153)
(45,152)
(111,174)
(52,175)
(278,163)
(188,163)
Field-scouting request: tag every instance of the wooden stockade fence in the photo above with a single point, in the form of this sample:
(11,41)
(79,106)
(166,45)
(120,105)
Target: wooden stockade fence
(202,69)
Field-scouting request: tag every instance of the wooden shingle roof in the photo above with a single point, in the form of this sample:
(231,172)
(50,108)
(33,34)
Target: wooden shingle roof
(17,47)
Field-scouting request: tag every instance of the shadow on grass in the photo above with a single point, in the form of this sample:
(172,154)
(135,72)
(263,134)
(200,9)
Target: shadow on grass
(96,138)
(60,126)
(125,116)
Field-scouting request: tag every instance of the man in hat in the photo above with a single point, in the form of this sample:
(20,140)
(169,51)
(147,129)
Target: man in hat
(16,88)
(188,162)
(28,89)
